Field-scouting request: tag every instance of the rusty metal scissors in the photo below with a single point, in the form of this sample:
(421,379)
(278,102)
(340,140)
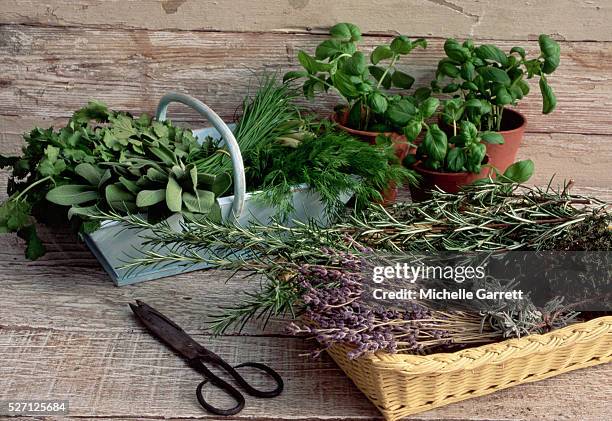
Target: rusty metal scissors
(197,356)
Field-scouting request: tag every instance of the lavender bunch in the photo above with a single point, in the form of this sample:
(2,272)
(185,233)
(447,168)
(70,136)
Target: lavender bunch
(335,313)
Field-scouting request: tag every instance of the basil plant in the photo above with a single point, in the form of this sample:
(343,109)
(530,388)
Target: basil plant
(338,65)
(489,79)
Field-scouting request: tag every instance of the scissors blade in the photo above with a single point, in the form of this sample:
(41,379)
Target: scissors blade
(167,331)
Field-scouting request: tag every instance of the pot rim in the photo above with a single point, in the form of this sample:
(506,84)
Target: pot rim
(520,115)
(418,167)
(334,118)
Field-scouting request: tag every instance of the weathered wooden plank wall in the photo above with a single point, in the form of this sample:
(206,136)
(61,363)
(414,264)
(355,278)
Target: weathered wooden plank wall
(55,55)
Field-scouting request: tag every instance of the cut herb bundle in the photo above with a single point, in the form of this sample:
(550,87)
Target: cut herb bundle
(105,160)
(317,272)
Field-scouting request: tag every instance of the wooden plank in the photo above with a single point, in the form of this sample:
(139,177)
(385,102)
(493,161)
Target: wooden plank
(110,374)
(571,20)
(49,72)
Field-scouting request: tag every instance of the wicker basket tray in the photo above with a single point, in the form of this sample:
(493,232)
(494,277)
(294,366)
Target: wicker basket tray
(400,384)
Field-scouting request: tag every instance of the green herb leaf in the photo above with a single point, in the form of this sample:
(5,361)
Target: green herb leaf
(491,53)
(221,184)
(493,138)
(413,129)
(146,198)
(377,102)
(294,74)
(549,100)
(119,199)
(345,32)
(356,64)
(34,247)
(551,52)
(309,63)
(455,51)
(402,80)
(455,160)
(520,171)
(401,45)
(89,172)
(429,107)
(382,52)
(173,195)
(200,203)
(378,72)
(494,74)
(435,143)
(401,112)
(71,194)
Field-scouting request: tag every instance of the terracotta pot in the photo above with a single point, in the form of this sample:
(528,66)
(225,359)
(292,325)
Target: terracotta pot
(513,128)
(450,182)
(400,145)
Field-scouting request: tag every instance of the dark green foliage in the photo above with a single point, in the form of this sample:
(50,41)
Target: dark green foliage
(333,163)
(486,74)
(338,65)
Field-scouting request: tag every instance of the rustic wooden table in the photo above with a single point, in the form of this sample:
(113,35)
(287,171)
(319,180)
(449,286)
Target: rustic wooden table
(66,332)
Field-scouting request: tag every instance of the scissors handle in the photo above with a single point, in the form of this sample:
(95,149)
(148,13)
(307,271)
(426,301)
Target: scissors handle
(231,390)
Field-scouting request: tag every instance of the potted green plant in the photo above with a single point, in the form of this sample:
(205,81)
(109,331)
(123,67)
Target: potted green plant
(489,81)
(442,162)
(369,108)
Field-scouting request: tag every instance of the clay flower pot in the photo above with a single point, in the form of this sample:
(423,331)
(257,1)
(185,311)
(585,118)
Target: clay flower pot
(400,145)
(450,182)
(513,128)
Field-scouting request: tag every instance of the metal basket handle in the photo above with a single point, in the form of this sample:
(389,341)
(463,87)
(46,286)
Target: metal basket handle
(226,133)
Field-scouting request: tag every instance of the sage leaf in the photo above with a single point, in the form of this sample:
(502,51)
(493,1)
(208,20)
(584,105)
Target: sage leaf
(86,211)
(130,185)
(154,174)
(173,195)
(146,198)
(92,174)
(119,199)
(71,194)
(201,202)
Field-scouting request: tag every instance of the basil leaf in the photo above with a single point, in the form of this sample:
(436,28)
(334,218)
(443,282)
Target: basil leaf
(401,45)
(455,160)
(309,63)
(429,107)
(520,171)
(382,52)
(401,112)
(413,129)
(402,80)
(435,143)
(549,100)
(345,32)
(493,74)
(377,102)
(378,72)
(493,138)
(491,53)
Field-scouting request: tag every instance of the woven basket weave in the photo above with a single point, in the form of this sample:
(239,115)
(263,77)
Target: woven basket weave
(401,384)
